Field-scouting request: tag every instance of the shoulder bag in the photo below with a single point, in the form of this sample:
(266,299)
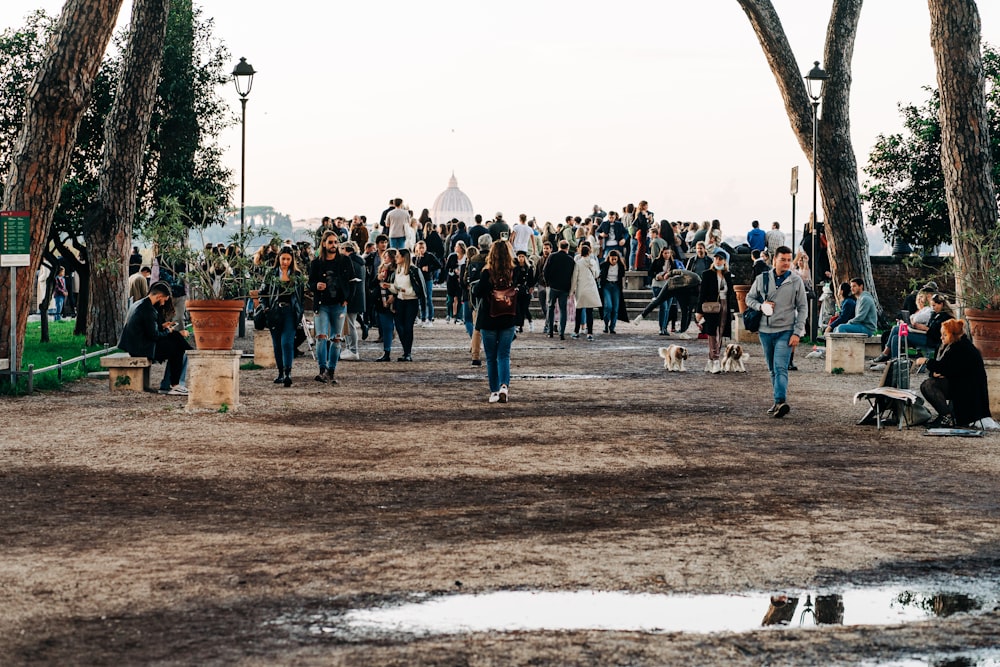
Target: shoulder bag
(752,316)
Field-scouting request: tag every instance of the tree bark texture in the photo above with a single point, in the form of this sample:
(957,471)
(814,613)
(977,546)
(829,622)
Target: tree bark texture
(965,142)
(836,165)
(109,233)
(56,102)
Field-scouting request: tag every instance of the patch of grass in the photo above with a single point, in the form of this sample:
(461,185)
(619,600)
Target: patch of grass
(250,366)
(62,343)
(837,371)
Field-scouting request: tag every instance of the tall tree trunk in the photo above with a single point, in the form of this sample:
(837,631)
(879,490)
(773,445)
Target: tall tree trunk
(109,234)
(836,165)
(56,102)
(965,138)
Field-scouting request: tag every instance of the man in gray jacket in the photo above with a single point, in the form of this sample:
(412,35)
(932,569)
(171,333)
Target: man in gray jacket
(785,311)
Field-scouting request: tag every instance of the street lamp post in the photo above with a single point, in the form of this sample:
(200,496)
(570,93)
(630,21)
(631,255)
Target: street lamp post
(243,78)
(814,85)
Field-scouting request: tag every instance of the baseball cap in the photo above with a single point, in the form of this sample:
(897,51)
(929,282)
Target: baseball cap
(719,252)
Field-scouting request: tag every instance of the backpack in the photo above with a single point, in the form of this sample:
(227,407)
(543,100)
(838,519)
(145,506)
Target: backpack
(503,301)
(752,316)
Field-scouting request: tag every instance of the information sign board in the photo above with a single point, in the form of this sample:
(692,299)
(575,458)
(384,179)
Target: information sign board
(15,238)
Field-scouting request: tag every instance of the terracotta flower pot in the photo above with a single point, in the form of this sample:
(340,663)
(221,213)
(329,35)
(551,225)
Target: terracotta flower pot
(985,328)
(215,323)
(741,296)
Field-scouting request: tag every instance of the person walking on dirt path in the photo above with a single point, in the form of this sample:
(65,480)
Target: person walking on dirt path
(496,323)
(785,309)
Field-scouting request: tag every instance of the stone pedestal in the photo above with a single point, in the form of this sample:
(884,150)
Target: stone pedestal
(4,364)
(847,351)
(214,379)
(740,334)
(635,280)
(993,382)
(263,349)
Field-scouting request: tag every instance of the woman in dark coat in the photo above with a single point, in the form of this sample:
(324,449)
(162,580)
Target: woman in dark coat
(958,377)
(717,287)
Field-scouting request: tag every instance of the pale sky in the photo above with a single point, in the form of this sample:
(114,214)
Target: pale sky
(544,107)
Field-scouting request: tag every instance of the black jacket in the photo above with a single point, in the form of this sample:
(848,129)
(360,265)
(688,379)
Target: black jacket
(962,365)
(338,285)
(710,293)
(142,330)
(559,271)
(356,290)
(484,320)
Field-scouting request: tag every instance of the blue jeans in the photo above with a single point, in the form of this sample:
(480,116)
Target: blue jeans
(329,323)
(497,343)
(915,339)
(612,299)
(283,338)
(560,297)
(470,326)
(664,308)
(853,328)
(60,300)
(397,242)
(427,312)
(386,326)
(777,353)
(406,315)
(165,382)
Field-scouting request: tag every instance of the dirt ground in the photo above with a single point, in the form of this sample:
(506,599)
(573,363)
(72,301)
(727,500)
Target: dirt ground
(134,532)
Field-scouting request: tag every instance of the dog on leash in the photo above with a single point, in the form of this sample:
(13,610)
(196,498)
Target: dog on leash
(733,360)
(674,357)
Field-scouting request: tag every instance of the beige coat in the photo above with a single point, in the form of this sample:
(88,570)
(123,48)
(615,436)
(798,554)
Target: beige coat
(584,284)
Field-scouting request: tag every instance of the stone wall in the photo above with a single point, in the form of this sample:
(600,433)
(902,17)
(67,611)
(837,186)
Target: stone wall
(893,279)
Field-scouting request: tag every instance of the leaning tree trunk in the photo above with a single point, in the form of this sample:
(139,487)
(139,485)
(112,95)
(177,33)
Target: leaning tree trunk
(836,165)
(965,142)
(125,131)
(56,102)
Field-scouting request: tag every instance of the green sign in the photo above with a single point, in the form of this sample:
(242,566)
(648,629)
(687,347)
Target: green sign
(15,238)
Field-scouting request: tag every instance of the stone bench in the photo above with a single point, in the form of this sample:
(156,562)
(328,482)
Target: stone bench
(127,373)
(873,346)
(635,280)
(846,351)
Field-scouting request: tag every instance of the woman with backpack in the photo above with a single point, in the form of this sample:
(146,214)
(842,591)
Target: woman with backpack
(497,317)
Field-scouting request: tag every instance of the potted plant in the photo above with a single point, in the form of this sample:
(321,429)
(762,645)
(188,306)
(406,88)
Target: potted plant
(980,294)
(218,282)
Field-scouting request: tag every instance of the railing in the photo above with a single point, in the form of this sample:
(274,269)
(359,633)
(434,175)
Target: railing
(60,365)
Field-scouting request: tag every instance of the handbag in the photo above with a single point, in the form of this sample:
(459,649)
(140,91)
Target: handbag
(711,308)
(274,316)
(503,302)
(752,316)
(260,318)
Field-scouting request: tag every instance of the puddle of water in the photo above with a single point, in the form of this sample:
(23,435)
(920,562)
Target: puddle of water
(988,658)
(543,376)
(526,611)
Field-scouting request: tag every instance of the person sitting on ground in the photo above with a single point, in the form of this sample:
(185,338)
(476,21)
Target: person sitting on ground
(144,336)
(865,313)
(957,387)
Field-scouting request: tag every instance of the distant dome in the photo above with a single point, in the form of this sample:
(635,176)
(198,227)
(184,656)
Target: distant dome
(452,203)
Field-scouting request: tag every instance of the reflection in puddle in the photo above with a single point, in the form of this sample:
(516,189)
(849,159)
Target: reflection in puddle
(509,611)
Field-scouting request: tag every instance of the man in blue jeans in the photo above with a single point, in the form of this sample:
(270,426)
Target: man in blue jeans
(785,309)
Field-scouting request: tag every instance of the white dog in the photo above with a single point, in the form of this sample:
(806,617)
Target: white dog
(674,357)
(733,360)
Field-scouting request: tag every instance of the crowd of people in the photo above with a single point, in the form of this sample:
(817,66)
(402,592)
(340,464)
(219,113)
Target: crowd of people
(358,280)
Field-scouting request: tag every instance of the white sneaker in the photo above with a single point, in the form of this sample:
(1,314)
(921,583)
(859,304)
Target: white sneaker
(638,318)
(495,397)
(447,320)
(708,366)
(348,355)
(178,390)
(428,324)
(683,336)
(716,366)
(531,327)
(504,393)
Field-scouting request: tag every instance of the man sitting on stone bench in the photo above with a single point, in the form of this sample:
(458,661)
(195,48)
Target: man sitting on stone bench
(865,312)
(145,336)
